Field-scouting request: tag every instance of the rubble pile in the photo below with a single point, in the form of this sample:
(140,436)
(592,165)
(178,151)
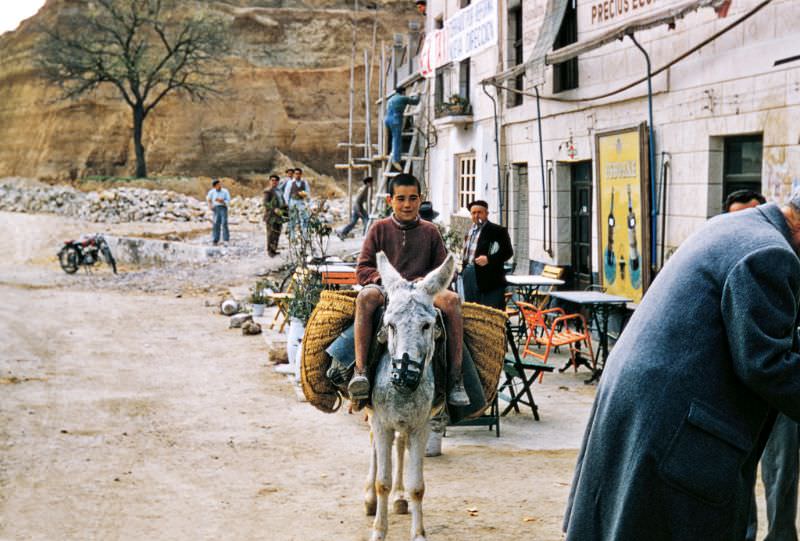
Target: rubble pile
(118,204)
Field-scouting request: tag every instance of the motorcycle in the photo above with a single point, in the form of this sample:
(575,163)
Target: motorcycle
(85,251)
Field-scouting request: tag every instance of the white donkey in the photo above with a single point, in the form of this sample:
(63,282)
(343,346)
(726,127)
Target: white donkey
(402,394)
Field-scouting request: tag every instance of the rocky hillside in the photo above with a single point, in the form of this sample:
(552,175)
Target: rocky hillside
(287,93)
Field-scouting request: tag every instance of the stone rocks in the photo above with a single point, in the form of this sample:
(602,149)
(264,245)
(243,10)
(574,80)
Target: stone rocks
(251,328)
(118,204)
(277,353)
(229,307)
(238,320)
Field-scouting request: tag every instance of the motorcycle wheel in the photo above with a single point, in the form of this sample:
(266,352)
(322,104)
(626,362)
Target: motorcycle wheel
(68,259)
(109,258)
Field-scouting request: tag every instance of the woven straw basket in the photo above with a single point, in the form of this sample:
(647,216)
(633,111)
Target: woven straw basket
(332,315)
(485,336)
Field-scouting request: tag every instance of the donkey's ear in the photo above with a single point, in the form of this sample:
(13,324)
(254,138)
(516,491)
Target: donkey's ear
(438,280)
(389,276)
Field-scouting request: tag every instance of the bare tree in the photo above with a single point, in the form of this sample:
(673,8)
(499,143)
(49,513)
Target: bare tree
(143,48)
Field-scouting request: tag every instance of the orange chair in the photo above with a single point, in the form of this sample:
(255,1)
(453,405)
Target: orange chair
(553,328)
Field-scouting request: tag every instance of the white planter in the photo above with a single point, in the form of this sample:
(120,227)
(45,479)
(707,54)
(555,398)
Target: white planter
(297,361)
(258,310)
(295,337)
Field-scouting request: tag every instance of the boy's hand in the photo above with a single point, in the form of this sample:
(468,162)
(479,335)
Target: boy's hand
(482,261)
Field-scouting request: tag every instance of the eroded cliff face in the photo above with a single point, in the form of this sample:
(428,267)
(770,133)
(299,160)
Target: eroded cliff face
(288,91)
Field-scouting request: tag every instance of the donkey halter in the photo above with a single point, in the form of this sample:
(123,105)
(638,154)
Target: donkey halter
(407,373)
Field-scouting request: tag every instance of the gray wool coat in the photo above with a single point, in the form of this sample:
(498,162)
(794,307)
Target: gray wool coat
(691,389)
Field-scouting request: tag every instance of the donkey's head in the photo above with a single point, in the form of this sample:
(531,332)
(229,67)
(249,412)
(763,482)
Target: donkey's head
(409,322)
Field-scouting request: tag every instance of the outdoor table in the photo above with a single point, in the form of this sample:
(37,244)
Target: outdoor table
(529,284)
(599,306)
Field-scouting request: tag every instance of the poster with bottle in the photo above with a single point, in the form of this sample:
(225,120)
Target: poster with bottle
(622,211)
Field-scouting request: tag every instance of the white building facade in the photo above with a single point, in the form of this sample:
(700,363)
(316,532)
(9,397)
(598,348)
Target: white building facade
(725,112)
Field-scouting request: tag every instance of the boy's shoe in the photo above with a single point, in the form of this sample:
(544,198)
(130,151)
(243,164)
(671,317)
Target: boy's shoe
(339,234)
(458,395)
(358,388)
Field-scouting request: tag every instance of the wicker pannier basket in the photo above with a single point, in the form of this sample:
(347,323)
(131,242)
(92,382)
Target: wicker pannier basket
(485,336)
(332,315)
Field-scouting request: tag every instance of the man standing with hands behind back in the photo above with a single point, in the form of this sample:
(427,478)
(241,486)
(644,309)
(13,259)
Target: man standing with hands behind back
(486,247)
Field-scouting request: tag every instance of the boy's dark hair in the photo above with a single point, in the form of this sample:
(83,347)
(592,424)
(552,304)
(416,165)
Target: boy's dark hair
(404,179)
(290,170)
(214,182)
(743,196)
(298,170)
(276,177)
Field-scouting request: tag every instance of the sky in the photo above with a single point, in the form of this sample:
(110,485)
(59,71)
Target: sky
(12,12)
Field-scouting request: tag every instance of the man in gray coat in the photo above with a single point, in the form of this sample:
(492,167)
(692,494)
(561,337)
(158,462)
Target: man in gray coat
(691,390)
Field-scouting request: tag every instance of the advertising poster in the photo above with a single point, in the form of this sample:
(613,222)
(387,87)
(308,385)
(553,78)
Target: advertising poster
(622,211)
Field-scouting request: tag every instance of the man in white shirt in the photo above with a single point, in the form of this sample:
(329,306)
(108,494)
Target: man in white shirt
(218,199)
(296,194)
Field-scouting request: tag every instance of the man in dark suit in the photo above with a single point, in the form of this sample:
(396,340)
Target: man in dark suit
(486,247)
(690,392)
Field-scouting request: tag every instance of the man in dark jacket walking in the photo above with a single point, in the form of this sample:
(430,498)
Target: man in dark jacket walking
(692,388)
(274,214)
(486,247)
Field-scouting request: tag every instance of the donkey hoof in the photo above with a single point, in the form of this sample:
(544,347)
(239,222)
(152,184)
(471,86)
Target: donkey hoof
(400,506)
(370,508)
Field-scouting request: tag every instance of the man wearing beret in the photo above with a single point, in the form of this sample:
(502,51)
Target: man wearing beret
(486,247)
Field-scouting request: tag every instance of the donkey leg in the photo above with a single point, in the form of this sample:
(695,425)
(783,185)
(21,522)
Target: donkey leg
(399,502)
(416,481)
(370,500)
(383,481)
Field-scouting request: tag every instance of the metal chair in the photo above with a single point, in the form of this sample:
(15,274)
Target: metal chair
(552,328)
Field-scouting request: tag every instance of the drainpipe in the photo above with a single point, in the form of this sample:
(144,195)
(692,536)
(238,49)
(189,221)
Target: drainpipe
(666,165)
(547,249)
(652,158)
(497,151)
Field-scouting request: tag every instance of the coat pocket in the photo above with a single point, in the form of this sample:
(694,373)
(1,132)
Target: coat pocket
(705,456)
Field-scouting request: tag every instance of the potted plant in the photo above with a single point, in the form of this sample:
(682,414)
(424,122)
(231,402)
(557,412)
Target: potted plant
(458,105)
(309,240)
(259,297)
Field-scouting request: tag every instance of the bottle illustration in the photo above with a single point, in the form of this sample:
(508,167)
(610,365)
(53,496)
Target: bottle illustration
(634,262)
(609,259)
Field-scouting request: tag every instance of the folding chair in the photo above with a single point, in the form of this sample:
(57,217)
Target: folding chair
(519,376)
(552,328)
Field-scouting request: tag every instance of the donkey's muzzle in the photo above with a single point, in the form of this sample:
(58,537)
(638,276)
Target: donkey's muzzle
(406,374)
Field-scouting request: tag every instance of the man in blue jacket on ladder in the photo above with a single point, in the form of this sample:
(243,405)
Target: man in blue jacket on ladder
(394,121)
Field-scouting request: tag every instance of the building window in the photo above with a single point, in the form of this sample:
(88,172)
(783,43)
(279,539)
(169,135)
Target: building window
(463,3)
(438,87)
(515,52)
(466,180)
(741,169)
(565,74)
(463,79)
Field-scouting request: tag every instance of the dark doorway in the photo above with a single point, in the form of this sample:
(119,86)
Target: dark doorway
(581,218)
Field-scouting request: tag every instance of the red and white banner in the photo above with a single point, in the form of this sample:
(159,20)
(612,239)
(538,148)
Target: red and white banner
(433,53)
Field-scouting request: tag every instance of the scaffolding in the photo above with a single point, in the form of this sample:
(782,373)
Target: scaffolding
(417,131)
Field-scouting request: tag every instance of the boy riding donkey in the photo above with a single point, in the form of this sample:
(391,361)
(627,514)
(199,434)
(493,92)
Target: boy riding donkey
(415,248)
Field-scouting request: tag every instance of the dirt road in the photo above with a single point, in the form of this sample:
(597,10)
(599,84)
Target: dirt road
(126,415)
